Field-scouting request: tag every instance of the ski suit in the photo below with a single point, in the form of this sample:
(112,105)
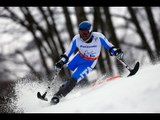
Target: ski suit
(86,58)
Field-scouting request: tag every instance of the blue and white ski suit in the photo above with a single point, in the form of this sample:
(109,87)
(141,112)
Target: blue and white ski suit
(86,58)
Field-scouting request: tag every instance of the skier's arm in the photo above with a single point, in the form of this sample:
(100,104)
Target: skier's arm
(111,48)
(71,48)
(65,57)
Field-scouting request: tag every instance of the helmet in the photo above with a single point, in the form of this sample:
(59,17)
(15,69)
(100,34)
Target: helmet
(85,30)
(85,25)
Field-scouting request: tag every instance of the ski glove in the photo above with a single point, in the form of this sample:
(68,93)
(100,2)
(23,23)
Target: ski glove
(119,53)
(61,62)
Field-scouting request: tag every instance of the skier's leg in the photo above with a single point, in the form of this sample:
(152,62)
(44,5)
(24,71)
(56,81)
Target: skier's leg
(77,75)
(73,63)
(64,90)
(66,87)
(80,73)
(69,84)
(83,70)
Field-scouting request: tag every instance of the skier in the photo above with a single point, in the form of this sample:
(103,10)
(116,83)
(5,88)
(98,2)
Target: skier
(89,46)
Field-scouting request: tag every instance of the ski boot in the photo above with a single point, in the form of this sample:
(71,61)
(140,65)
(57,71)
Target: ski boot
(55,99)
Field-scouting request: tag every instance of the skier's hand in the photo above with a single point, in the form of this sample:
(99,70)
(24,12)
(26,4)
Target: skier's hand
(119,53)
(59,64)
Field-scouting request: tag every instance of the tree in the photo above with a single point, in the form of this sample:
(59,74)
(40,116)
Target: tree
(154,30)
(113,36)
(141,34)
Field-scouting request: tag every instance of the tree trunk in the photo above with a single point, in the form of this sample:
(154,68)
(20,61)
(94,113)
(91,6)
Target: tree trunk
(68,23)
(154,30)
(113,36)
(140,32)
(81,15)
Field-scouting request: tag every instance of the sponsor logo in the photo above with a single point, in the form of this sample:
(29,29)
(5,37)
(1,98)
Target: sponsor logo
(86,46)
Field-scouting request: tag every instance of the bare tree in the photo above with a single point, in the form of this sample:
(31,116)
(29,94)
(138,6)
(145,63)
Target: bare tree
(113,36)
(45,42)
(141,34)
(154,30)
(80,13)
(68,23)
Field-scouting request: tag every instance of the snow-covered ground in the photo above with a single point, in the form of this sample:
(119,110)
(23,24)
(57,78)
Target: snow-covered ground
(135,94)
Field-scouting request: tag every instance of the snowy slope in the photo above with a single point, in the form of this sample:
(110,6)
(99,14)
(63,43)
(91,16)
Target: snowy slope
(136,94)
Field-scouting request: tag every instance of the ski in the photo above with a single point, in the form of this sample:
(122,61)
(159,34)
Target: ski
(103,81)
(132,72)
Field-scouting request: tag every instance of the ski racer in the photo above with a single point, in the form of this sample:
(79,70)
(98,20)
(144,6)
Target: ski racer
(89,45)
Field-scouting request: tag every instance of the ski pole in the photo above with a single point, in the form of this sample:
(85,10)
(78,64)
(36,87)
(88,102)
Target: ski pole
(122,61)
(55,76)
(132,71)
(43,97)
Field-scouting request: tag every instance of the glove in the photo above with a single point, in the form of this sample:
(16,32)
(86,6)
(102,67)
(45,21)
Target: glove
(119,53)
(59,64)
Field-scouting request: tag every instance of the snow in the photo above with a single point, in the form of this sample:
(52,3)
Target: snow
(136,94)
